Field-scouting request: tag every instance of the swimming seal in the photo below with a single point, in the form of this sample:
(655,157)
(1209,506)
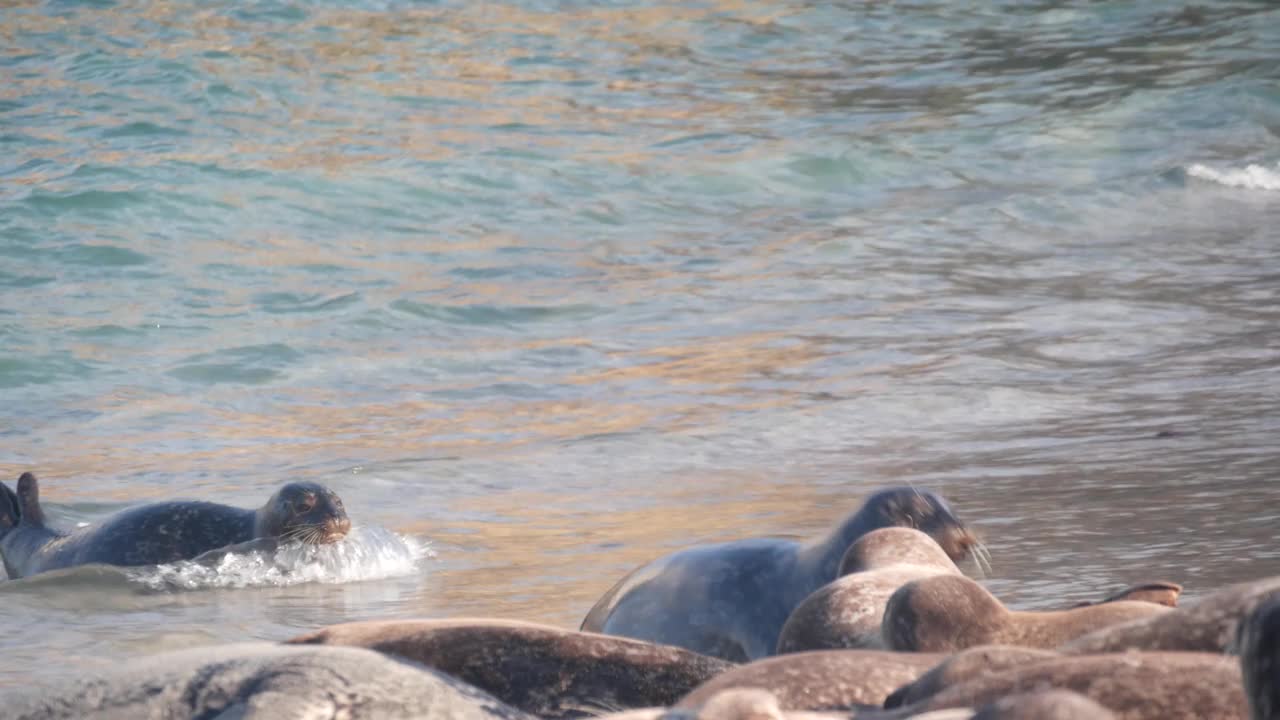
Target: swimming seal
(260,680)
(963,666)
(542,670)
(1134,686)
(946,613)
(166,532)
(1208,625)
(820,680)
(730,600)
(846,613)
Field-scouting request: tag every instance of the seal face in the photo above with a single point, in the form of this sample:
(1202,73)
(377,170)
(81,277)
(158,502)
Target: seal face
(164,532)
(847,612)
(730,600)
(946,613)
(542,670)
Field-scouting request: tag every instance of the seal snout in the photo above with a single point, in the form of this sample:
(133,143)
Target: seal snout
(335,528)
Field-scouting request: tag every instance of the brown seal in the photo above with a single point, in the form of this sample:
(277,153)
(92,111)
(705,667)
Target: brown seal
(1208,625)
(846,613)
(1160,592)
(1133,686)
(730,600)
(946,613)
(543,670)
(821,680)
(966,665)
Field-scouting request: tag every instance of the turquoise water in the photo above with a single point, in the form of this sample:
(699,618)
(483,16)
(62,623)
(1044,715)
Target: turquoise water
(556,286)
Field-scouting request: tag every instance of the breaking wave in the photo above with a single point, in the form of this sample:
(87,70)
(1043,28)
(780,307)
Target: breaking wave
(1253,177)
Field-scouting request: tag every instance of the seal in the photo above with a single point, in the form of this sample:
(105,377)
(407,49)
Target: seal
(946,613)
(1258,640)
(260,680)
(820,680)
(846,613)
(1208,625)
(1160,592)
(1134,686)
(1044,705)
(963,666)
(730,600)
(539,669)
(169,531)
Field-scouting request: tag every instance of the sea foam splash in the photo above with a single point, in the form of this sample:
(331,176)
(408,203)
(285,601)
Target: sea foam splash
(366,553)
(1253,177)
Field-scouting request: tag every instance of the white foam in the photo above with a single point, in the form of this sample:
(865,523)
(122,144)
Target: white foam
(1253,177)
(367,553)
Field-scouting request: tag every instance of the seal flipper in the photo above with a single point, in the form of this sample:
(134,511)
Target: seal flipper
(10,512)
(29,501)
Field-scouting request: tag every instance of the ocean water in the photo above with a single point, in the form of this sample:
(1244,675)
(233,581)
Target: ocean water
(546,289)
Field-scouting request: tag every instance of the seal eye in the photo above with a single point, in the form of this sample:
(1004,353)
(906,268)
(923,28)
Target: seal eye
(305,504)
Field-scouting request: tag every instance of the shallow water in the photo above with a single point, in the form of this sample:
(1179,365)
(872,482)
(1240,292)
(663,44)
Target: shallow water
(552,288)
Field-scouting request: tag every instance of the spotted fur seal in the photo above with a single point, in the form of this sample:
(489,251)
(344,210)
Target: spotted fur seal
(963,666)
(162,532)
(1133,686)
(259,680)
(1207,625)
(542,670)
(846,612)
(730,600)
(946,613)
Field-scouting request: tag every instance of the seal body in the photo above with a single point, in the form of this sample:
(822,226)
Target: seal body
(820,680)
(168,531)
(542,670)
(946,613)
(730,600)
(1133,686)
(847,612)
(961,667)
(261,681)
(1207,625)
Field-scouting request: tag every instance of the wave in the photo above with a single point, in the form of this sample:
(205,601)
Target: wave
(367,553)
(1253,177)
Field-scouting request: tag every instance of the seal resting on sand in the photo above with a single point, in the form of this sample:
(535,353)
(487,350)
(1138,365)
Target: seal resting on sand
(730,600)
(260,681)
(846,612)
(162,532)
(946,613)
(542,670)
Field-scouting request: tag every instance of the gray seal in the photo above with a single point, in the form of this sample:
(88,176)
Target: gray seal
(730,600)
(542,670)
(946,613)
(820,680)
(162,532)
(260,681)
(847,612)
(1208,625)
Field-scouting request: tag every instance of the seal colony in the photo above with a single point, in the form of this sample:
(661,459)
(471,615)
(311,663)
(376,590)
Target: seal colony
(944,648)
(162,532)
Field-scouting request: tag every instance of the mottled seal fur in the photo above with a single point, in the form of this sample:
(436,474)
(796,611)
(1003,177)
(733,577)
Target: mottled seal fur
(1044,705)
(1208,625)
(163,532)
(821,680)
(260,681)
(962,667)
(1133,686)
(730,600)
(543,670)
(847,612)
(946,613)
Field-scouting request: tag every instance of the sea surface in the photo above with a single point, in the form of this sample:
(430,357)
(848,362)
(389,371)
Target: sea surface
(547,289)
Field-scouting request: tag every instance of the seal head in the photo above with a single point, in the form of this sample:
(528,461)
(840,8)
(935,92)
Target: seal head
(922,510)
(304,511)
